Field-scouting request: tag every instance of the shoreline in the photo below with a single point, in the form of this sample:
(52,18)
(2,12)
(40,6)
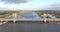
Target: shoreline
(1,23)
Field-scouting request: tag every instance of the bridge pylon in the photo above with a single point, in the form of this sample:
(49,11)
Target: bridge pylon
(14,17)
(44,16)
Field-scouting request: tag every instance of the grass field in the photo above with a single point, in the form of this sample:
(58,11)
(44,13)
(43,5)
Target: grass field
(8,14)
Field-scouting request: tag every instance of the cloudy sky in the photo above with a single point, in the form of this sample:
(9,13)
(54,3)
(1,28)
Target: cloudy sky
(30,5)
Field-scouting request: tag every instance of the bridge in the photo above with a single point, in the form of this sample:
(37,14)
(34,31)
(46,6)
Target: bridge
(14,19)
(29,19)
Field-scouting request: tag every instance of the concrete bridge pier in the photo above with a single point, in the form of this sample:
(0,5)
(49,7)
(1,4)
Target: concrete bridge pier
(45,21)
(14,20)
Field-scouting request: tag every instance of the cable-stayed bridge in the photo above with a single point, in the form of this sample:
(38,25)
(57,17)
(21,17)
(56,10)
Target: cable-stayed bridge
(30,16)
(30,19)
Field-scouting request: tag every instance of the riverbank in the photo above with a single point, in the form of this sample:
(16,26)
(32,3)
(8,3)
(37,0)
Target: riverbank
(3,22)
(53,22)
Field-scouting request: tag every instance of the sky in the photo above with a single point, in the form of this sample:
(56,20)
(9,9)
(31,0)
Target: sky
(30,5)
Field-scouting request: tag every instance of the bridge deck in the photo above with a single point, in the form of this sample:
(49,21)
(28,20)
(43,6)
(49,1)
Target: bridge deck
(30,19)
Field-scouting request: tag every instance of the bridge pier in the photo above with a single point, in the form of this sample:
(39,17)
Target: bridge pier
(45,21)
(14,20)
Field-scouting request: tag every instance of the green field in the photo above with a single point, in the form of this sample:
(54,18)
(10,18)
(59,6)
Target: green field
(8,14)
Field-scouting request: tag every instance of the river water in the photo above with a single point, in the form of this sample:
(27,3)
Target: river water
(29,14)
(30,26)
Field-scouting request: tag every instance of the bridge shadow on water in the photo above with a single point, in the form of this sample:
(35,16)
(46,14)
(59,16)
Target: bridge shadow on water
(26,22)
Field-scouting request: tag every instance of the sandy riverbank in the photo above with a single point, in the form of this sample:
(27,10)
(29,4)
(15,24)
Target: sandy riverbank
(2,22)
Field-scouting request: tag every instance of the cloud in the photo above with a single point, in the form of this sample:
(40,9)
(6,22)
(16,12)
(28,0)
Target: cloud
(14,1)
(54,6)
(32,5)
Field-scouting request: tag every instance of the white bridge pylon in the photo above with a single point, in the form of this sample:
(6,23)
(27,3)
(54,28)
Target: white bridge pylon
(14,17)
(44,16)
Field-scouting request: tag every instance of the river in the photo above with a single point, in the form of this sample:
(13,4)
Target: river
(29,14)
(30,26)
